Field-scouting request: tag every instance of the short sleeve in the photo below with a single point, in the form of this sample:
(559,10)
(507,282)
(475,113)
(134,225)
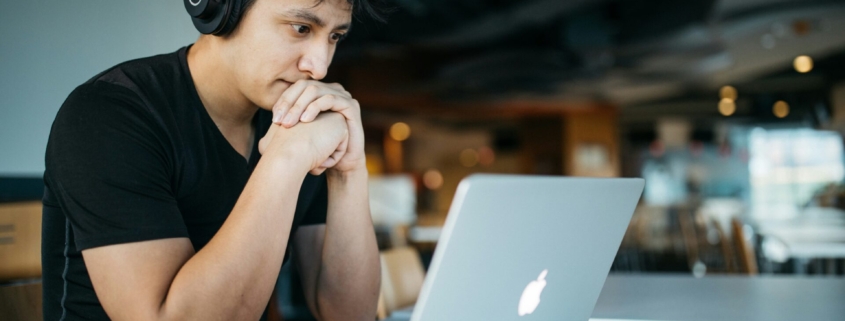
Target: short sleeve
(319,207)
(108,166)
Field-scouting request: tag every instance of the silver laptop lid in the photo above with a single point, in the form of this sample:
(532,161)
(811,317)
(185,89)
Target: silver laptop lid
(526,248)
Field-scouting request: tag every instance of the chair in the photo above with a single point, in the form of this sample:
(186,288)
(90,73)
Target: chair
(21,302)
(20,261)
(689,231)
(744,248)
(708,248)
(20,240)
(401,279)
(381,310)
(726,247)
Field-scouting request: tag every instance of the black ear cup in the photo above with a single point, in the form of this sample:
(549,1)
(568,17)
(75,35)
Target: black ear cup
(215,17)
(233,18)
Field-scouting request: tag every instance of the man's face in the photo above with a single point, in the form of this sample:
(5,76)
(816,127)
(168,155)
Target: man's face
(281,41)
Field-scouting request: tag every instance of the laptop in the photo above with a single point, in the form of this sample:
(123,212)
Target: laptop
(526,248)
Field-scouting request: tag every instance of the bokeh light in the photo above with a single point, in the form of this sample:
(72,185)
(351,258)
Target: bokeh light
(727,107)
(486,156)
(469,157)
(803,64)
(780,109)
(400,131)
(728,92)
(433,179)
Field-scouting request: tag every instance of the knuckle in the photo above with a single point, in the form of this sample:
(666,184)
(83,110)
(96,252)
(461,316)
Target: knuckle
(356,106)
(285,102)
(299,105)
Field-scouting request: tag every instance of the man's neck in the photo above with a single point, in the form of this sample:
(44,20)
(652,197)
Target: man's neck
(228,108)
(225,104)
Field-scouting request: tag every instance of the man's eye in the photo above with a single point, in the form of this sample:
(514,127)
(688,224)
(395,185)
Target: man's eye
(301,29)
(338,36)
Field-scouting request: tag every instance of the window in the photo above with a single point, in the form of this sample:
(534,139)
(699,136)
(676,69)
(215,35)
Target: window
(788,165)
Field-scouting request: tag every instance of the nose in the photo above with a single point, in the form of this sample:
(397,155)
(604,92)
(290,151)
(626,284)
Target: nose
(315,60)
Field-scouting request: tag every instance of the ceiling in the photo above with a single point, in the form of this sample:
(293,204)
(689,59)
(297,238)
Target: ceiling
(625,53)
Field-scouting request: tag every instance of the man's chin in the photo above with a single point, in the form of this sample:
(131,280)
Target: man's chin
(273,95)
(265,105)
(268,100)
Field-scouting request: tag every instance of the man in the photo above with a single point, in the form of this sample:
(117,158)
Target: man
(157,207)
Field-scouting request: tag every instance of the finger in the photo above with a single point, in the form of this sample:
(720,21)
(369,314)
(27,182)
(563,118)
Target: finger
(325,103)
(336,100)
(287,99)
(344,145)
(317,171)
(342,91)
(338,154)
(347,107)
(329,162)
(310,94)
(341,150)
(334,158)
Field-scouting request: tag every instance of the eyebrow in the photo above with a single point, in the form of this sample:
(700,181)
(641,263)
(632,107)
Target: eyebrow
(312,18)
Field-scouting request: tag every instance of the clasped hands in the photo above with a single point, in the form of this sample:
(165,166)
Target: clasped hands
(329,135)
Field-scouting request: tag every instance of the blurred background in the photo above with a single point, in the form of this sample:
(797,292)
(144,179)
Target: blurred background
(732,110)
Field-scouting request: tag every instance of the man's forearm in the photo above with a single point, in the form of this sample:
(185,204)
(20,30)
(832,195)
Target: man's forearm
(233,276)
(349,279)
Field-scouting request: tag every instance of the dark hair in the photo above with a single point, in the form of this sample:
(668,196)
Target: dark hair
(358,7)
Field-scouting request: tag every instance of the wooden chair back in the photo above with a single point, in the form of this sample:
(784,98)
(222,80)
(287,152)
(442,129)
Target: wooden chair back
(20,240)
(21,302)
(726,248)
(744,248)
(690,232)
(402,276)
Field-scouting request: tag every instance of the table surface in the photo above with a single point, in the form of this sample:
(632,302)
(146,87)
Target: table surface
(716,298)
(808,238)
(680,297)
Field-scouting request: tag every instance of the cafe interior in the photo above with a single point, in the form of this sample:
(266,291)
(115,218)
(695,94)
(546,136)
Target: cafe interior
(732,111)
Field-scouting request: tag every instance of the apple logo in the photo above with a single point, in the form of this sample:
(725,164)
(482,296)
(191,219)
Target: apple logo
(530,298)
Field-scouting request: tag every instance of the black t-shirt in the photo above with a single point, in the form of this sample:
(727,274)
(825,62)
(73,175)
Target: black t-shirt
(134,156)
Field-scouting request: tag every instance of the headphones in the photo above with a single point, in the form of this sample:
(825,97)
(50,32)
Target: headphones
(215,17)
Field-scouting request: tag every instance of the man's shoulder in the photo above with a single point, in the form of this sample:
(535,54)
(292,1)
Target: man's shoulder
(144,76)
(141,85)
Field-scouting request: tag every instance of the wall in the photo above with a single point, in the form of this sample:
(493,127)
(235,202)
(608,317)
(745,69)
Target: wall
(47,48)
(591,144)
